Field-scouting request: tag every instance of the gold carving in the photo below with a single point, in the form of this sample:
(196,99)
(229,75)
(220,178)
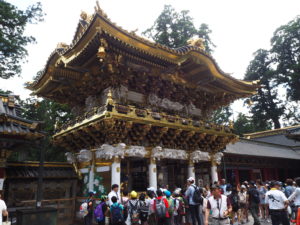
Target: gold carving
(199,42)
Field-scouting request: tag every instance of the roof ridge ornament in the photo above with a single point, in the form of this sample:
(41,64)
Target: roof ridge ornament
(197,42)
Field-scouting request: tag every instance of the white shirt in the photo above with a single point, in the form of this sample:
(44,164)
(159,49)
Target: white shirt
(295,196)
(218,206)
(2,208)
(110,195)
(275,199)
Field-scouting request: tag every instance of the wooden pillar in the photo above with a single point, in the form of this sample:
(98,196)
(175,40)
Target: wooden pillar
(276,174)
(237,176)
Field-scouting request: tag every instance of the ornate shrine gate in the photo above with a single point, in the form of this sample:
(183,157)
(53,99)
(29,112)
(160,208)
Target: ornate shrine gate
(140,107)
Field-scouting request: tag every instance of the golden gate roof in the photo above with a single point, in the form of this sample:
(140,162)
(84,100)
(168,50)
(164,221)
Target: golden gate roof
(190,65)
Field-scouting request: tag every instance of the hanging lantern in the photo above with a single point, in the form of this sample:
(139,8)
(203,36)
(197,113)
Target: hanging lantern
(101,53)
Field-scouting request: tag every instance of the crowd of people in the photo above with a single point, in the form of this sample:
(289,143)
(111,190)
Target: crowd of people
(219,204)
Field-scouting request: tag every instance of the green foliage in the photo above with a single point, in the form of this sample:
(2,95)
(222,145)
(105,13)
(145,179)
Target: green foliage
(265,105)
(174,29)
(12,39)
(5,92)
(245,124)
(49,113)
(286,52)
(221,116)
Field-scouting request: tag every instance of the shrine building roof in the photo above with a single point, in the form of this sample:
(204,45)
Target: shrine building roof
(190,66)
(14,128)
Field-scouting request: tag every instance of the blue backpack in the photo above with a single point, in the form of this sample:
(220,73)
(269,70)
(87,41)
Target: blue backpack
(116,214)
(98,212)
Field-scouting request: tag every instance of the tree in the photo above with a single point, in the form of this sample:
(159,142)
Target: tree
(265,105)
(12,39)
(245,124)
(174,29)
(221,115)
(49,113)
(286,52)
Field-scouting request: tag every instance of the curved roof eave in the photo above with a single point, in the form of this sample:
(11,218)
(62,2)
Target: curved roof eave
(100,23)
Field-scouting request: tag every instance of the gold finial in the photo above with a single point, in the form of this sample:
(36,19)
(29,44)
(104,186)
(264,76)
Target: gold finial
(109,100)
(83,15)
(198,42)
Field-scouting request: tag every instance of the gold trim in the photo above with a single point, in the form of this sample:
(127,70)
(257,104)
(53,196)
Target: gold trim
(269,132)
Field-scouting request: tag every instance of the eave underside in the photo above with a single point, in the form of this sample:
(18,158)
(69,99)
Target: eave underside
(118,124)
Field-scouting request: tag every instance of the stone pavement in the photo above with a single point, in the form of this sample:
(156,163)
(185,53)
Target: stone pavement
(251,222)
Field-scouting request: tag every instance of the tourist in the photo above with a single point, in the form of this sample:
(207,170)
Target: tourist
(150,199)
(235,203)
(124,202)
(88,218)
(253,201)
(143,209)
(179,210)
(114,192)
(192,205)
(219,206)
(223,185)
(186,205)
(161,208)
(132,207)
(116,212)
(170,208)
(289,189)
(262,190)
(277,203)
(295,197)
(3,209)
(100,211)
(228,190)
(243,203)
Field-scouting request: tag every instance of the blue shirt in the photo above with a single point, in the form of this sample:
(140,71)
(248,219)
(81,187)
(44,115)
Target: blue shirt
(189,194)
(289,190)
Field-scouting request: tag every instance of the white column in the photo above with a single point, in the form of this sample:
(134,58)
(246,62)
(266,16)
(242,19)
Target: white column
(152,174)
(91,178)
(116,172)
(191,170)
(214,172)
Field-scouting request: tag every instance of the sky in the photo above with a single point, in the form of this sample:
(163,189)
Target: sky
(239,28)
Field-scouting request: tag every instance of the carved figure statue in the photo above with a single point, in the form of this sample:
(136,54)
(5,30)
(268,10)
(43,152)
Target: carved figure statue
(198,42)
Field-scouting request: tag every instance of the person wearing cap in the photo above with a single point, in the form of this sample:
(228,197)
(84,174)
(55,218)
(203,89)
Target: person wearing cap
(219,206)
(278,204)
(132,207)
(114,192)
(295,197)
(193,206)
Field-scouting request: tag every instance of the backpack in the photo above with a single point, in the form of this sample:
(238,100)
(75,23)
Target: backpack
(116,214)
(83,210)
(134,214)
(255,196)
(143,210)
(235,201)
(197,196)
(171,206)
(98,212)
(180,209)
(160,208)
